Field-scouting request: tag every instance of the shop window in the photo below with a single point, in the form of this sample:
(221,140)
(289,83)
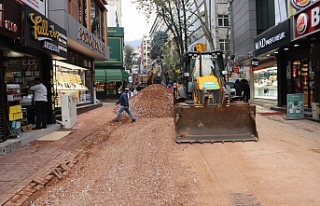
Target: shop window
(83,14)
(95,14)
(303,80)
(265,83)
(100,86)
(70,79)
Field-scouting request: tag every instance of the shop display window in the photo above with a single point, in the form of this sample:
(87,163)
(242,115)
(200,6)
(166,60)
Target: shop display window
(265,83)
(110,88)
(303,80)
(68,80)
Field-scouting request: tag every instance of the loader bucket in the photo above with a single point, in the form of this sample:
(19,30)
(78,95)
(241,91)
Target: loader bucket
(235,123)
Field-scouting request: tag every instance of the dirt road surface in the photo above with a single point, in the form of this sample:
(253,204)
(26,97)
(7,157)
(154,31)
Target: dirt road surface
(140,163)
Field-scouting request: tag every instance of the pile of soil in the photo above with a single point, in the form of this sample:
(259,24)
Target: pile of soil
(154,101)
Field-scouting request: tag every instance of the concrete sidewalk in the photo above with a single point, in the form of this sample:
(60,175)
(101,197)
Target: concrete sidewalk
(24,138)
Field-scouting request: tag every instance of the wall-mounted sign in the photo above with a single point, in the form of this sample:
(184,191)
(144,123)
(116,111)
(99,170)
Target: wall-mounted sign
(277,36)
(95,43)
(10,19)
(306,21)
(115,31)
(38,5)
(264,42)
(43,34)
(294,6)
(255,62)
(300,4)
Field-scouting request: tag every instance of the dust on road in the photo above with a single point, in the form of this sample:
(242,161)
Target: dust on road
(140,163)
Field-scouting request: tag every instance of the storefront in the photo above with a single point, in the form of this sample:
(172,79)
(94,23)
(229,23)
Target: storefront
(76,73)
(110,74)
(26,53)
(265,75)
(302,58)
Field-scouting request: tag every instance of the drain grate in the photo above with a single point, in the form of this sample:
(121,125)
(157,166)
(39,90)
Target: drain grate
(244,199)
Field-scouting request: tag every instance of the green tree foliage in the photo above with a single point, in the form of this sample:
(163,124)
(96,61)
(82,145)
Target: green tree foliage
(170,60)
(157,42)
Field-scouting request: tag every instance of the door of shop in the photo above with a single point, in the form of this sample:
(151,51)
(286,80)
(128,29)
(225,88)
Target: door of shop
(303,80)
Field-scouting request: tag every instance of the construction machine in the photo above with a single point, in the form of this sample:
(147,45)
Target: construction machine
(207,114)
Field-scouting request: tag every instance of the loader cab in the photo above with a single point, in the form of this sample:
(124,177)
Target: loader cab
(197,64)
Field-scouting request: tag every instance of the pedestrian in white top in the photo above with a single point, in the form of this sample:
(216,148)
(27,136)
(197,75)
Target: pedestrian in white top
(40,99)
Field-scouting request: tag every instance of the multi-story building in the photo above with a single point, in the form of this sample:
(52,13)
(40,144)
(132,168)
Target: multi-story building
(114,13)
(57,41)
(145,54)
(278,41)
(217,14)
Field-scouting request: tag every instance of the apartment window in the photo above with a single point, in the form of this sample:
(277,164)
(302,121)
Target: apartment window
(223,20)
(223,1)
(83,14)
(223,44)
(95,18)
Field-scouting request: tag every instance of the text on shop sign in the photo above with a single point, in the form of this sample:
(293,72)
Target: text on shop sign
(262,43)
(41,28)
(91,40)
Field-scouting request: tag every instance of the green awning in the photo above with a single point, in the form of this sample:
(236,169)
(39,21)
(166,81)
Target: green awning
(110,75)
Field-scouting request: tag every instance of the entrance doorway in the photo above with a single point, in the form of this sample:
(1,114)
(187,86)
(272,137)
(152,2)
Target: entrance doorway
(303,80)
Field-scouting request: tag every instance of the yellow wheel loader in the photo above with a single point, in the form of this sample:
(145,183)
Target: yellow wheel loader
(207,115)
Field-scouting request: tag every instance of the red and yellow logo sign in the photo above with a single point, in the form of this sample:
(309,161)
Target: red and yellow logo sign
(300,4)
(302,23)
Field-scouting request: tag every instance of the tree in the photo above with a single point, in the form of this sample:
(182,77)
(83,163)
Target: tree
(128,57)
(173,13)
(157,42)
(170,60)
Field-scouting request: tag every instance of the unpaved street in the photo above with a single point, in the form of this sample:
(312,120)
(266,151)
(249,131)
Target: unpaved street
(140,163)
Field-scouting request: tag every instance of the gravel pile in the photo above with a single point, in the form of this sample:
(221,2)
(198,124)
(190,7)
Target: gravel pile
(154,101)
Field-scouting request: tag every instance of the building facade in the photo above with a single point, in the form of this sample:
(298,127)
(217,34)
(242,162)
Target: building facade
(145,54)
(51,40)
(111,74)
(284,57)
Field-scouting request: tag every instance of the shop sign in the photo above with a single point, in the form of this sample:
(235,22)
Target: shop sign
(235,69)
(94,42)
(38,5)
(255,62)
(264,42)
(300,4)
(10,19)
(273,38)
(307,21)
(115,31)
(295,106)
(45,35)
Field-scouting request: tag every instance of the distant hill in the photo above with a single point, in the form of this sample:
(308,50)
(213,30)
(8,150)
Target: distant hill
(135,43)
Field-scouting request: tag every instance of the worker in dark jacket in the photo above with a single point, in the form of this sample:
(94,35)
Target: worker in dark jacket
(124,105)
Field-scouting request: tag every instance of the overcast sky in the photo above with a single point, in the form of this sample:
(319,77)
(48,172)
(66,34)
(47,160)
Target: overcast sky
(134,23)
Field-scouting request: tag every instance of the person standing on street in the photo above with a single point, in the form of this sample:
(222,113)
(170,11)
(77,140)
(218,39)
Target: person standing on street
(124,105)
(40,102)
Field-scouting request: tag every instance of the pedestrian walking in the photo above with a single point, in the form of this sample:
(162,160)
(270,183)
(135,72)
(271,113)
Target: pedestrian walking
(124,105)
(40,102)
(245,89)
